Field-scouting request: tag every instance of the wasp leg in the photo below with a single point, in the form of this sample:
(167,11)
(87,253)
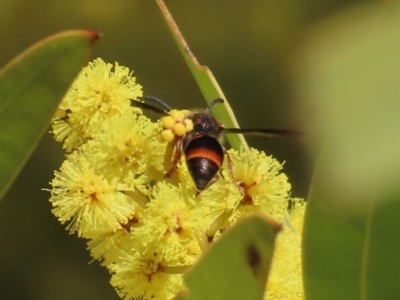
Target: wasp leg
(230,171)
(218,225)
(177,158)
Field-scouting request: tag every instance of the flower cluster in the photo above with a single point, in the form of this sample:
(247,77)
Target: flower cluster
(175,124)
(144,228)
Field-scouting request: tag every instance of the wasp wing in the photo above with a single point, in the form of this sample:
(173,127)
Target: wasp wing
(147,106)
(266,132)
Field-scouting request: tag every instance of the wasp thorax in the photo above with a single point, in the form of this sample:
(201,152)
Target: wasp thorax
(176,124)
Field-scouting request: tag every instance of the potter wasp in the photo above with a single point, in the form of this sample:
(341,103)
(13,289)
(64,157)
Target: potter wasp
(202,145)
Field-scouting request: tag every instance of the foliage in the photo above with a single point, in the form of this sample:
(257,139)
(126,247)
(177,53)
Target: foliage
(345,74)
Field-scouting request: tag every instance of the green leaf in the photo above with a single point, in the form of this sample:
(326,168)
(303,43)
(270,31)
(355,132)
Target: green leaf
(31,87)
(237,266)
(205,80)
(348,79)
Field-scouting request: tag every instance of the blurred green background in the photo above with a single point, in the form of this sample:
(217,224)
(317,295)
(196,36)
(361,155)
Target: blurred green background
(247,45)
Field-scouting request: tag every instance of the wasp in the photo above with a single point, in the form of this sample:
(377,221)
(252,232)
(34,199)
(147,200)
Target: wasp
(202,146)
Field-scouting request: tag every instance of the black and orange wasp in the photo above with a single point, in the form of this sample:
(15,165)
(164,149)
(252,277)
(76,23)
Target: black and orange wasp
(202,147)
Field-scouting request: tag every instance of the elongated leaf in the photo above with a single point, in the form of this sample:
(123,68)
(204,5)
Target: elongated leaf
(349,79)
(31,87)
(206,81)
(237,266)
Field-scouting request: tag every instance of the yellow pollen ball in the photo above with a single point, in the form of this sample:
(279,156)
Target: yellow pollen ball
(178,115)
(189,125)
(60,113)
(167,122)
(167,135)
(179,129)
(186,112)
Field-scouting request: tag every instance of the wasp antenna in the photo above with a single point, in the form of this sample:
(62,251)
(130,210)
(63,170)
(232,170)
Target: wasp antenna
(158,101)
(266,132)
(212,103)
(148,107)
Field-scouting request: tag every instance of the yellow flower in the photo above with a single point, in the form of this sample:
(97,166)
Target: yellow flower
(144,228)
(108,248)
(92,204)
(222,197)
(140,275)
(172,223)
(66,128)
(285,278)
(263,186)
(99,92)
(124,147)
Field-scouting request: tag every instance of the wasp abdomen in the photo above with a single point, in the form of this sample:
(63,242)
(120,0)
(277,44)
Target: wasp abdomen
(204,157)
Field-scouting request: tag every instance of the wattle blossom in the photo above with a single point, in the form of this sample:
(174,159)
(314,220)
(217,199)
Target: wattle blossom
(144,228)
